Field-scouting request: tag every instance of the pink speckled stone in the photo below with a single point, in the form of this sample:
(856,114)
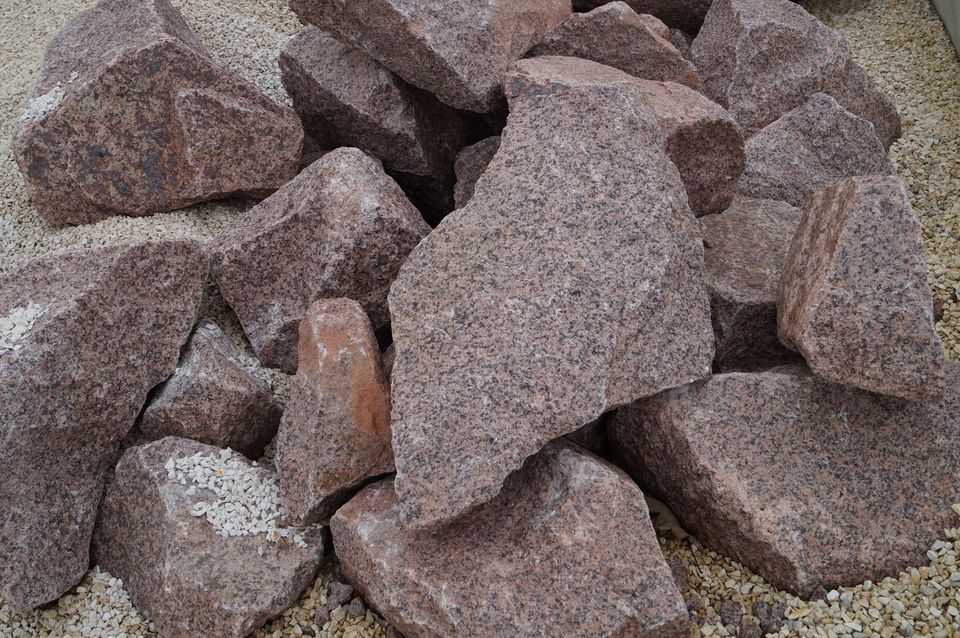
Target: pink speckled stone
(470,164)
(681,14)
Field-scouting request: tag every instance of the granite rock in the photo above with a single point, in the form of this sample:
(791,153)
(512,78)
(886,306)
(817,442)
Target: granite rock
(809,148)
(341,228)
(335,433)
(615,35)
(98,329)
(457,50)
(469,166)
(745,248)
(569,284)
(854,297)
(214,398)
(687,15)
(762,58)
(808,483)
(131,116)
(592,436)
(566,549)
(188,578)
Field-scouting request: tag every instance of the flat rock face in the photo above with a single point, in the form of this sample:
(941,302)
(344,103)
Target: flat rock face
(681,14)
(790,474)
(470,164)
(458,50)
(854,297)
(214,398)
(194,568)
(132,70)
(570,283)
(745,248)
(615,35)
(335,433)
(83,338)
(341,228)
(762,58)
(702,140)
(566,549)
(809,148)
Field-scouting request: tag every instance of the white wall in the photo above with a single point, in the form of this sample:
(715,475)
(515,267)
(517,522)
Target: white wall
(949,11)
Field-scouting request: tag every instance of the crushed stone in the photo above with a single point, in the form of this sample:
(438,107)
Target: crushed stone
(16,325)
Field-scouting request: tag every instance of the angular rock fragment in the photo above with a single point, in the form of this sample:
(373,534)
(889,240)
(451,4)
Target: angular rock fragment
(192,531)
(566,549)
(335,433)
(131,116)
(809,148)
(615,35)
(92,332)
(458,50)
(762,58)
(341,228)
(702,139)
(214,398)
(552,296)
(592,436)
(681,14)
(470,164)
(790,474)
(745,249)
(854,297)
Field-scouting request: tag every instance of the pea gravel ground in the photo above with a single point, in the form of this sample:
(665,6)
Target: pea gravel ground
(900,42)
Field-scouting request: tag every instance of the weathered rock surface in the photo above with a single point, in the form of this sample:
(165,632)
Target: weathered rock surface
(187,576)
(681,14)
(702,139)
(789,474)
(457,50)
(97,330)
(762,58)
(552,296)
(335,433)
(745,248)
(214,398)
(470,164)
(341,228)
(854,297)
(615,35)
(592,436)
(131,116)
(566,549)
(809,148)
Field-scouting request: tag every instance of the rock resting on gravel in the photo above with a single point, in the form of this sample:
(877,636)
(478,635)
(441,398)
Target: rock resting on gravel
(131,116)
(99,328)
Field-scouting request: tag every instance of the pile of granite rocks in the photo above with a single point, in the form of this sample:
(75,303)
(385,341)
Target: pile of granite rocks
(506,249)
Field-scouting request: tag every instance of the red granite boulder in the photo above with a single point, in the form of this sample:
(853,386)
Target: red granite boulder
(566,549)
(470,164)
(681,14)
(131,116)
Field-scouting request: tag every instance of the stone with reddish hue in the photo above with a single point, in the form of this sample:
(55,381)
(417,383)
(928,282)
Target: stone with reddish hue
(702,139)
(387,360)
(616,36)
(592,436)
(335,433)
(470,164)
(554,295)
(108,326)
(458,50)
(681,14)
(789,474)
(341,228)
(131,116)
(809,148)
(566,549)
(181,572)
(762,58)
(854,298)
(214,398)
(745,248)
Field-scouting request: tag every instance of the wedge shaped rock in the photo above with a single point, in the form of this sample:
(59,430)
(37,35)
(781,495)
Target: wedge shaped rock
(131,116)
(83,337)
(194,567)
(335,433)
(811,147)
(341,228)
(566,549)
(854,298)
(762,58)
(811,484)
(458,50)
(552,296)
(470,164)
(681,14)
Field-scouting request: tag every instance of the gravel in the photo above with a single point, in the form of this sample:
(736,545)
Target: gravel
(16,326)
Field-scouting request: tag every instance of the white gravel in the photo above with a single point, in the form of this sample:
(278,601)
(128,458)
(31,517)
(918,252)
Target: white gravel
(16,325)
